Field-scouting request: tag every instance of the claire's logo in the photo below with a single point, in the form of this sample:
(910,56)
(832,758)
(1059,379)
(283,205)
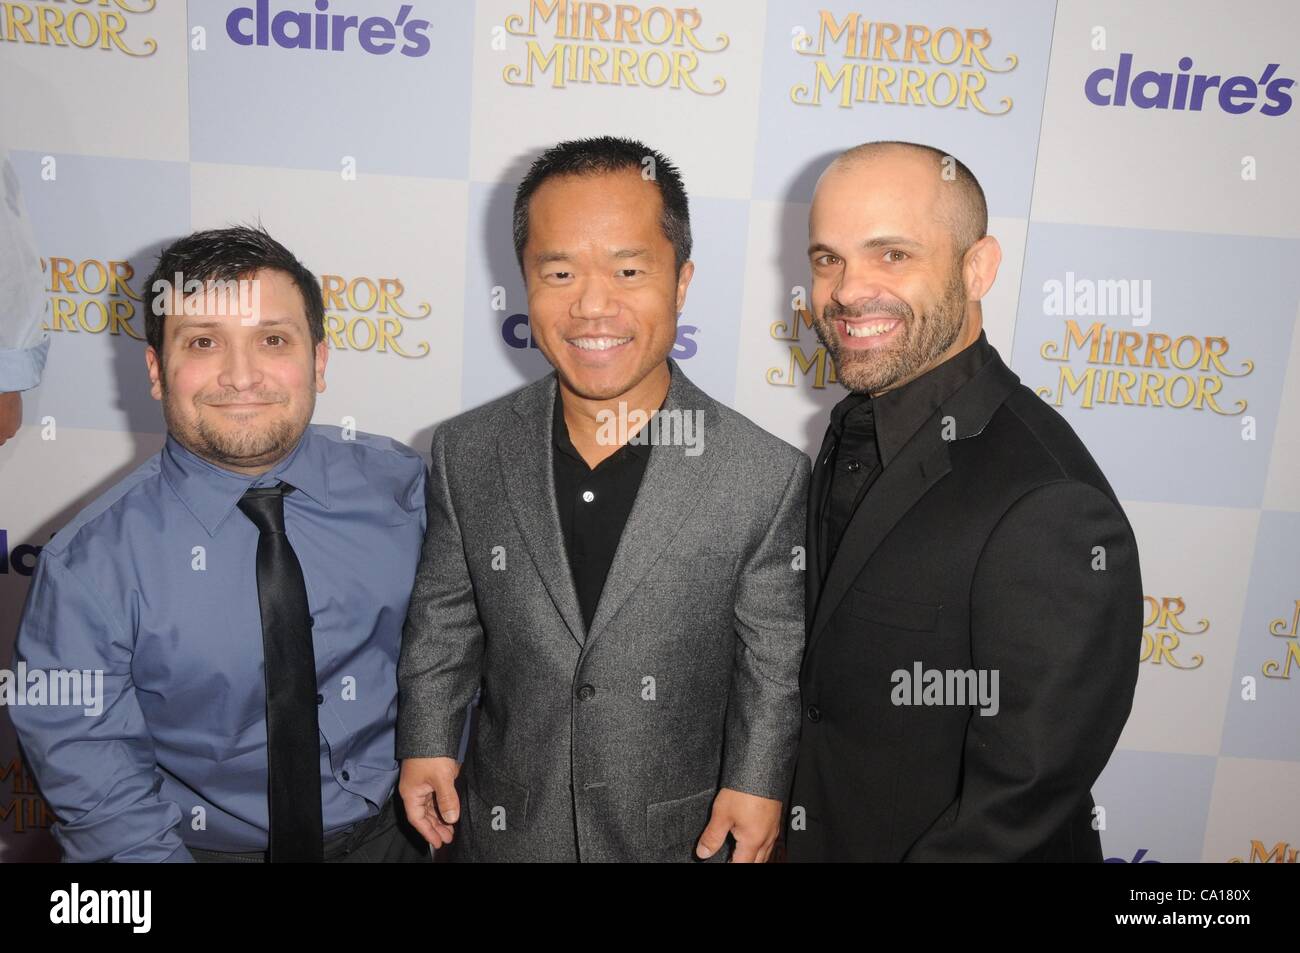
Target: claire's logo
(319,29)
(517,333)
(1138,858)
(21,559)
(1188,91)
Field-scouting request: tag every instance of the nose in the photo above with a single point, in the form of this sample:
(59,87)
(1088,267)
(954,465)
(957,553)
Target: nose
(859,284)
(241,369)
(593,300)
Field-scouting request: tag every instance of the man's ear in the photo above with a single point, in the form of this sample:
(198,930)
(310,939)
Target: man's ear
(683,282)
(980,268)
(321,359)
(154,363)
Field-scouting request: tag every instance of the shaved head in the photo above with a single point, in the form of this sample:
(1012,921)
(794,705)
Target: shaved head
(964,211)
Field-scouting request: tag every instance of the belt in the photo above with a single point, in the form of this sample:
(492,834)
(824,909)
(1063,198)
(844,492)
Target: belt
(336,846)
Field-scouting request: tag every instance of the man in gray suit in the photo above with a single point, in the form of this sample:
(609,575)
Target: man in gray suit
(628,594)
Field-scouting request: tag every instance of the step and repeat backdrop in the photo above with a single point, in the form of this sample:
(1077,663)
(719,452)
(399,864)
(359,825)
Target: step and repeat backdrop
(1140,167)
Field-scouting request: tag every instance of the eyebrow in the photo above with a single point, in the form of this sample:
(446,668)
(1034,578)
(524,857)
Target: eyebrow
(546,257)
(182,326)
(881,241)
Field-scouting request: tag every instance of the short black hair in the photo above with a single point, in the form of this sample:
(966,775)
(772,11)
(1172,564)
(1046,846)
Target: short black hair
(228,254)
(600,155)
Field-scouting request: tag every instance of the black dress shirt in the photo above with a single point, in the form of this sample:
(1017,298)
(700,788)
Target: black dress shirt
(854,464)
(594,506)
(869,431)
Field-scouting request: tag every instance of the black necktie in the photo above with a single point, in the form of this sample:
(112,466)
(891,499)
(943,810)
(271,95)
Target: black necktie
(292,732)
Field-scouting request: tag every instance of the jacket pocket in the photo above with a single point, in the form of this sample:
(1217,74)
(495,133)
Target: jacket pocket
(895,613)
(678,822)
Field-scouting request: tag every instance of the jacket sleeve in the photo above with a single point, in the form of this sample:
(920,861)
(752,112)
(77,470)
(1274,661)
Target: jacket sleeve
(93,759)
(1056,613)
(442,641)
(762,727)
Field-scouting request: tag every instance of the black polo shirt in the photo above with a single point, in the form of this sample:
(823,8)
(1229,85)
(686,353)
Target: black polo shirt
(594,506)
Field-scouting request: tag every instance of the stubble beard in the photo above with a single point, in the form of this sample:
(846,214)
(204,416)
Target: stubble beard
(922,343)
(246,447)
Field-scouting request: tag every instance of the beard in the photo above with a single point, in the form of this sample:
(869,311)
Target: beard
(236,446)
(920,344)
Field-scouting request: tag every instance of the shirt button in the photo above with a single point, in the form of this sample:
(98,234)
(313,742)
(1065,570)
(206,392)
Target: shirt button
(586,693)
(320,699)
(814,714)
(346,776)
(588,496)
(853,466)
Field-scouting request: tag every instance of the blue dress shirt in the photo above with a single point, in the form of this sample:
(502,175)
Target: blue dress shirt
(155,585)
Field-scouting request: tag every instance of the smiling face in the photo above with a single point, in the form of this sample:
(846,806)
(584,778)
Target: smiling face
(603,287)
(239,390)
(890,295)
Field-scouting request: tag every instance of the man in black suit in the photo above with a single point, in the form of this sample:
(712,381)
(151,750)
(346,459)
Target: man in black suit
(974,600)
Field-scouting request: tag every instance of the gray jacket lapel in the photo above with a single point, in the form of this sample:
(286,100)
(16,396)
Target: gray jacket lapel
(672,483)
(528,473)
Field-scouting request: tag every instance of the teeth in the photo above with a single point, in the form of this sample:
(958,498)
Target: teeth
(598,344)
(867,330)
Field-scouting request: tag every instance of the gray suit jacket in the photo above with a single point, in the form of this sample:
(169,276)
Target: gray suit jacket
(608,745)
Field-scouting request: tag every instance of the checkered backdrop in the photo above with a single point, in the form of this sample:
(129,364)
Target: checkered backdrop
(1139,166)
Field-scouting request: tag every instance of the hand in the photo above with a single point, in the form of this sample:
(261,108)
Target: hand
(753,821)
(11,414)
(427,787)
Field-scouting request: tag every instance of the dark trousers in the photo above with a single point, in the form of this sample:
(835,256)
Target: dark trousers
(386,838)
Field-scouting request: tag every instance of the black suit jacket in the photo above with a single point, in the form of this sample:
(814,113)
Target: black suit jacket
(1001,548)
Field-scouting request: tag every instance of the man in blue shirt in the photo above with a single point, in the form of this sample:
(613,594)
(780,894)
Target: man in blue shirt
(232,610)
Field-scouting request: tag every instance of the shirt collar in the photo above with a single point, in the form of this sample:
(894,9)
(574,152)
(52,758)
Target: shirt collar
(855,406)
(560,429)
(210,492)
(899,413)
